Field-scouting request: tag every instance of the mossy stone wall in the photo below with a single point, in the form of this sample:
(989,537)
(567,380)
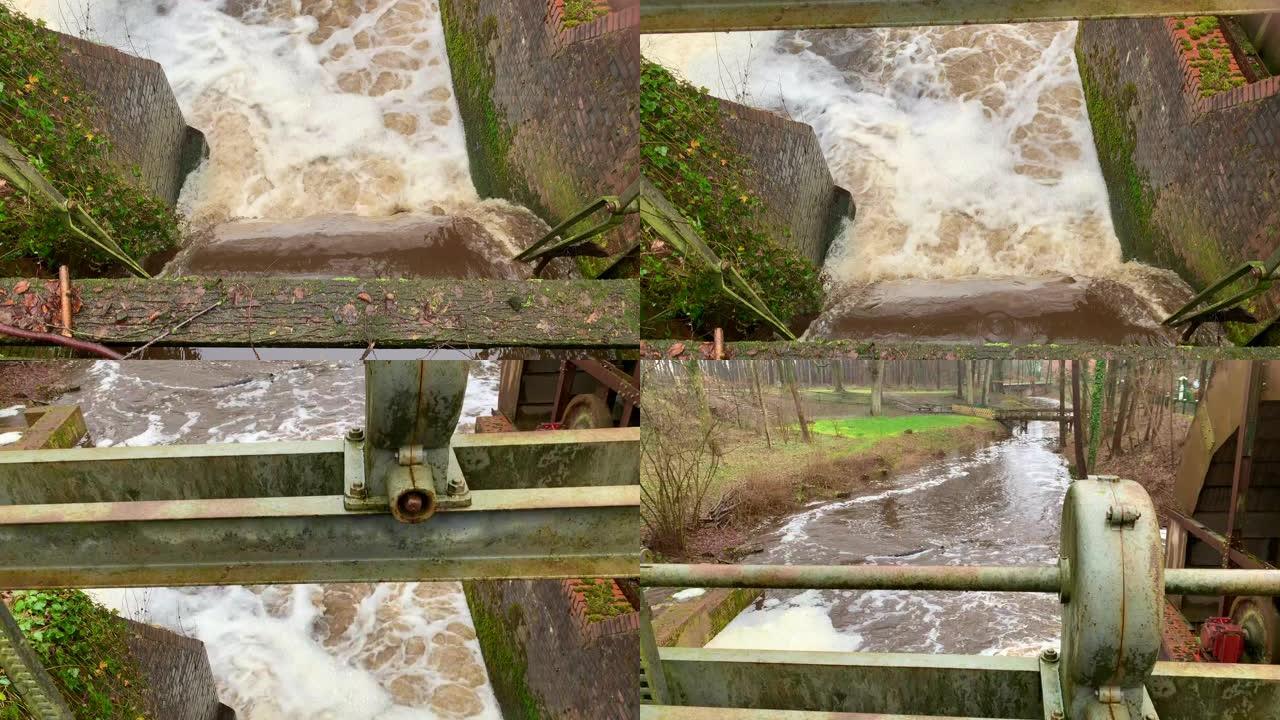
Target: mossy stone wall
(550,114)
(791,175)
(1194,184)
(139,113)
(538,646)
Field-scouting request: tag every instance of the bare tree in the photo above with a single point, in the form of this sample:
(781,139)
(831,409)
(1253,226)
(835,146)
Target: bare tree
(877,387)
(789,377)
(678,465)
(764,413)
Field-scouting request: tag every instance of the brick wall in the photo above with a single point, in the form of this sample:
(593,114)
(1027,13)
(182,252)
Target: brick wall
(177,670)
(540,628)
(139,113)
(550,114)
(804,204)
(1194,182)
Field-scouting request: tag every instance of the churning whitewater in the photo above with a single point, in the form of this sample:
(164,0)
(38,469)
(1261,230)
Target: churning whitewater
(309,106)
(968,150)
(348,651)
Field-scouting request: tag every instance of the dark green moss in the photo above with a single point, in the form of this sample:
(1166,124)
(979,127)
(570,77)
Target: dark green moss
(503,657)
(487,135)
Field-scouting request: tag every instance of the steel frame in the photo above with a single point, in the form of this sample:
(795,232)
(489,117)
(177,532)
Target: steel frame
(494,505)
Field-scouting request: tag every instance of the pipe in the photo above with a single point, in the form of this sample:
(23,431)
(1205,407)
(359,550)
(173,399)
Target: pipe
(1026,578)
(1012,578)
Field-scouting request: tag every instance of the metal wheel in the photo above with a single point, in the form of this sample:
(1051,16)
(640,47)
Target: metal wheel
(1261,623)
(587,412)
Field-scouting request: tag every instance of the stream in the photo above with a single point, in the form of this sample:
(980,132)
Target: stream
(981,209)
(336,147)
(999,505)
(349,651)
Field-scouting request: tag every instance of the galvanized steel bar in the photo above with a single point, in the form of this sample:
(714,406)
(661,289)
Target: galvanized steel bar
(490,461)
(1027,578)
(1214,581)
(1014,578)
(546,533)
(39,694)
(681,16)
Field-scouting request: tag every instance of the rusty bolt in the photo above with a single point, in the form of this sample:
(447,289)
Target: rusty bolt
(456,486)
(1055,715)
(357,489)
(356,434)
(1049,655)
(412,504)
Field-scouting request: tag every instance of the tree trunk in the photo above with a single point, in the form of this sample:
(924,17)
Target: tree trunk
(1082,468)
(1122,411)
(789,375)
(699,390)
(764,414)
(1062,404)
(837,375)
(877,388)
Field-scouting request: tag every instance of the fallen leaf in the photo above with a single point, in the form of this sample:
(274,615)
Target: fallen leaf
(21,287)
(594,316)
(365,297)
(675,349)
(299,293)
(152,317)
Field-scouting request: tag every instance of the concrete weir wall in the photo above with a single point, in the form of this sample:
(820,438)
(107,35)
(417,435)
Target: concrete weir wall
(1194,182)
(550,113)
(139,113)
(539,646)
(804,204)
(178,673)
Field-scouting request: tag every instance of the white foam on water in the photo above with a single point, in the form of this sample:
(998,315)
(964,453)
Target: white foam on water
(968,150)
(801,622)
(688,594)
(10,438)
(11,411)
(310,106)
(393,651)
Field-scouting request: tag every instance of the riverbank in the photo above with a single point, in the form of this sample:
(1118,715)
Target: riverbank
(1152,463)
(30,382)
(759,484)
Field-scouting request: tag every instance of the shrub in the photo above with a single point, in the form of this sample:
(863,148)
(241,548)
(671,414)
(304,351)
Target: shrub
(688,158)
(577,12)
(83,646)
(51,119)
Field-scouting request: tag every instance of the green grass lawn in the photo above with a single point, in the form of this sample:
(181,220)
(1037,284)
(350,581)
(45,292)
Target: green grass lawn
(867,431)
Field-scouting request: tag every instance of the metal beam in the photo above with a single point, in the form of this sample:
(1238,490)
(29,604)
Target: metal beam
(1205,534)
(959,685)
(955,685)
(545,533)
(681,16)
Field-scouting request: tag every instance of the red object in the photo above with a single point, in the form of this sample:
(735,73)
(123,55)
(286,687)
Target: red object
(551,426)
(1222,639)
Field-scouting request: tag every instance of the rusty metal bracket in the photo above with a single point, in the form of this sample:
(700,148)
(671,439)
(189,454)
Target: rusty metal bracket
(560,242)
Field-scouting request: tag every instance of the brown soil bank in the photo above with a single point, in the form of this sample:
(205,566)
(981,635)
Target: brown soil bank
(31,383)
(759,500)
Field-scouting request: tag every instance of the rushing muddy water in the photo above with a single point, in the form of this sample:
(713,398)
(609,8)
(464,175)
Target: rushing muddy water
(999,505)
(969,153)
(310,107)
(353,651)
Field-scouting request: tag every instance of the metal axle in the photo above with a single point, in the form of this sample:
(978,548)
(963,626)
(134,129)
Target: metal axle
(1012,578)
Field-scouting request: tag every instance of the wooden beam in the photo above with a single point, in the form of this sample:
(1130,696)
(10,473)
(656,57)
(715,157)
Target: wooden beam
(337,312)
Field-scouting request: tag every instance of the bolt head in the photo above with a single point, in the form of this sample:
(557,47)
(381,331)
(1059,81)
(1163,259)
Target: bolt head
(355,434)
(455,486)
(1049,655)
